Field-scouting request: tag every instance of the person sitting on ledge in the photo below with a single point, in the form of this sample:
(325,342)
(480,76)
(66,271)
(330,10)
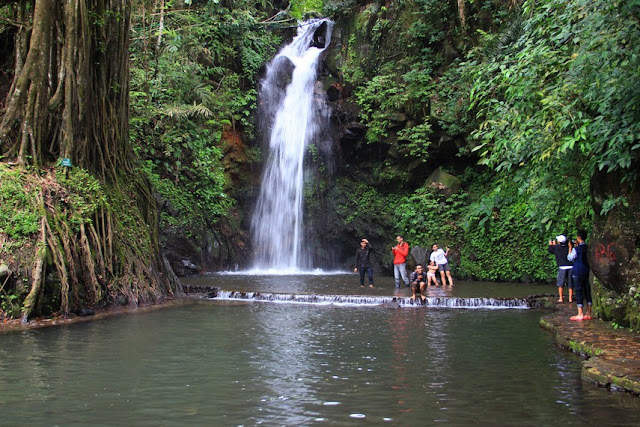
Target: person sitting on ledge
(418,280)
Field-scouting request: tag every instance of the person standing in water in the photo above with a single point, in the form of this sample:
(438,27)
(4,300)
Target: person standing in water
(440,258)
(400,253)
(363,262)
(580,276)
(560,249)
(431,274)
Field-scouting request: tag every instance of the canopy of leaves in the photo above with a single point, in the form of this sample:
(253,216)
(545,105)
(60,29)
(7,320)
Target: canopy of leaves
(561,101)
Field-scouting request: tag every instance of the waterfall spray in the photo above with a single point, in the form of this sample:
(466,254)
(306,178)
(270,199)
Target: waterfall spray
(289,115)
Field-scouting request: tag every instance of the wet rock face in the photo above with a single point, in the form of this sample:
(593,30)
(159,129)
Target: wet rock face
(320,36)
(614,249)
(614,244)
(284,70)
(183,254)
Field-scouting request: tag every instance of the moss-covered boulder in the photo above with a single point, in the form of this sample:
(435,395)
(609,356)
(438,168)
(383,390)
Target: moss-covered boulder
(444,182)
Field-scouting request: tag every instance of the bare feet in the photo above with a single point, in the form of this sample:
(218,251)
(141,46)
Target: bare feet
(371,286)
(560,301)
(578,318)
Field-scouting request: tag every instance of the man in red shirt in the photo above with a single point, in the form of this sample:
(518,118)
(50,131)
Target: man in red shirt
(400,253)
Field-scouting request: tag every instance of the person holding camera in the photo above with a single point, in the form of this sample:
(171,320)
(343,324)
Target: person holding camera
(580,275)
(363,262)
(400,254)
(560,249)
(418,280)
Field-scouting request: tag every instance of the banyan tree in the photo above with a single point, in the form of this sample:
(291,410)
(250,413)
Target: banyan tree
(64,133)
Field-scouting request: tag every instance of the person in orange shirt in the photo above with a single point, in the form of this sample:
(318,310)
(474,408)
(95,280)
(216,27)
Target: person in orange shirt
(400,253)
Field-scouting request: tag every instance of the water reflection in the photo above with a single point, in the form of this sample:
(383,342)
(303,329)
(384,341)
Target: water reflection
(228,363)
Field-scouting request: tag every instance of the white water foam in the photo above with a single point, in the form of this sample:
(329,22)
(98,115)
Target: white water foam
(284,272)
(363,300)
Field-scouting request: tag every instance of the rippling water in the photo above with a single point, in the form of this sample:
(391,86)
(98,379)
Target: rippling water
(249,363)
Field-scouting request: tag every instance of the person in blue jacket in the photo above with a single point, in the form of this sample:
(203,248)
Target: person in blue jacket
(580,276)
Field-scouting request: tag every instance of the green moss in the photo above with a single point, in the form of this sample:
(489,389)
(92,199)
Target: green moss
(623,310)
(582,348)
(19,212)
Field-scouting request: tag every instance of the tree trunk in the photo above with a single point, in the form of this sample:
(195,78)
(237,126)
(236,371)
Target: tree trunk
(70,99)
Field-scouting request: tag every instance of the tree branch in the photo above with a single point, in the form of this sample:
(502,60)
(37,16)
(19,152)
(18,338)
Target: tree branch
(4,3)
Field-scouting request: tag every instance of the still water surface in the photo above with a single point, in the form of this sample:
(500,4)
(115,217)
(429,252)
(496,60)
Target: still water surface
(250,363)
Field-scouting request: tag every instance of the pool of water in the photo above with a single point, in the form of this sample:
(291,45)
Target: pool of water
(250,363)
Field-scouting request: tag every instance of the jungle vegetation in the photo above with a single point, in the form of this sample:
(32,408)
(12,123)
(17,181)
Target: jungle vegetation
(527,103)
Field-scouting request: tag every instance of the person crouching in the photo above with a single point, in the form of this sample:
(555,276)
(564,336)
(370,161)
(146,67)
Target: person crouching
(418,281)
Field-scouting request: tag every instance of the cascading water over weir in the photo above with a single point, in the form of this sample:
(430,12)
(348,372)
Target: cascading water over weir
(290,112)
(362,300)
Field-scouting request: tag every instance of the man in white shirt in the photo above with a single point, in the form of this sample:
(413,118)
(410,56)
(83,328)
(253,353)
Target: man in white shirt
(440,258)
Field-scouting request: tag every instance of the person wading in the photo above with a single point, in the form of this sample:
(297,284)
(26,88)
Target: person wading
(400,253)
(363,262)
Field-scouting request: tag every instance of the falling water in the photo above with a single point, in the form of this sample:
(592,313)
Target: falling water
(290,112)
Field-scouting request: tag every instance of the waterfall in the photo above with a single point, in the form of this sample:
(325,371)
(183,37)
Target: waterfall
(362,300)
(289,113)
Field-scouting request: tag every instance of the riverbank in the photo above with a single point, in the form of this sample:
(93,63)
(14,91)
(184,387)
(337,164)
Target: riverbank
(14,325)
(612,355)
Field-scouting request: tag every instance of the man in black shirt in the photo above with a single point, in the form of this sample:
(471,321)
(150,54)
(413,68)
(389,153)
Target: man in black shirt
(363,262)
(559,248)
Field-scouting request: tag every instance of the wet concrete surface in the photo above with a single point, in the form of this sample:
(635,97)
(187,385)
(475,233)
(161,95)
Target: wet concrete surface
(612,356)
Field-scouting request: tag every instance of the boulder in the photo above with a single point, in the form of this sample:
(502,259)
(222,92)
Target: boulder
(444,182)
(419,254)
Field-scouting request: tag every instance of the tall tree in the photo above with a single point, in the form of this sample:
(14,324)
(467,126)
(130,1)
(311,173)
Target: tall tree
(70,94)
(69,99)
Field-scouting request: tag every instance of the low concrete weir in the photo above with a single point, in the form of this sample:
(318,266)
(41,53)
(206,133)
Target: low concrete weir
(363,300)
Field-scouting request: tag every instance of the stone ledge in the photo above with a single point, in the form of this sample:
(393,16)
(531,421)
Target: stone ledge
(612,355)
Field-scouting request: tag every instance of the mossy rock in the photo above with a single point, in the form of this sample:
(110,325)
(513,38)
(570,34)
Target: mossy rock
(444,182)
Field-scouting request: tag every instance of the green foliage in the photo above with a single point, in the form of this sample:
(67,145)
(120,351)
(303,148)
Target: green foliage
(339,8)
(394,87)
(299,8)
(378,99)
(560,101)
(184,95)
(362,206)
(19,213)
(427,217)
(83,196)
(500,243)
(417,138)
